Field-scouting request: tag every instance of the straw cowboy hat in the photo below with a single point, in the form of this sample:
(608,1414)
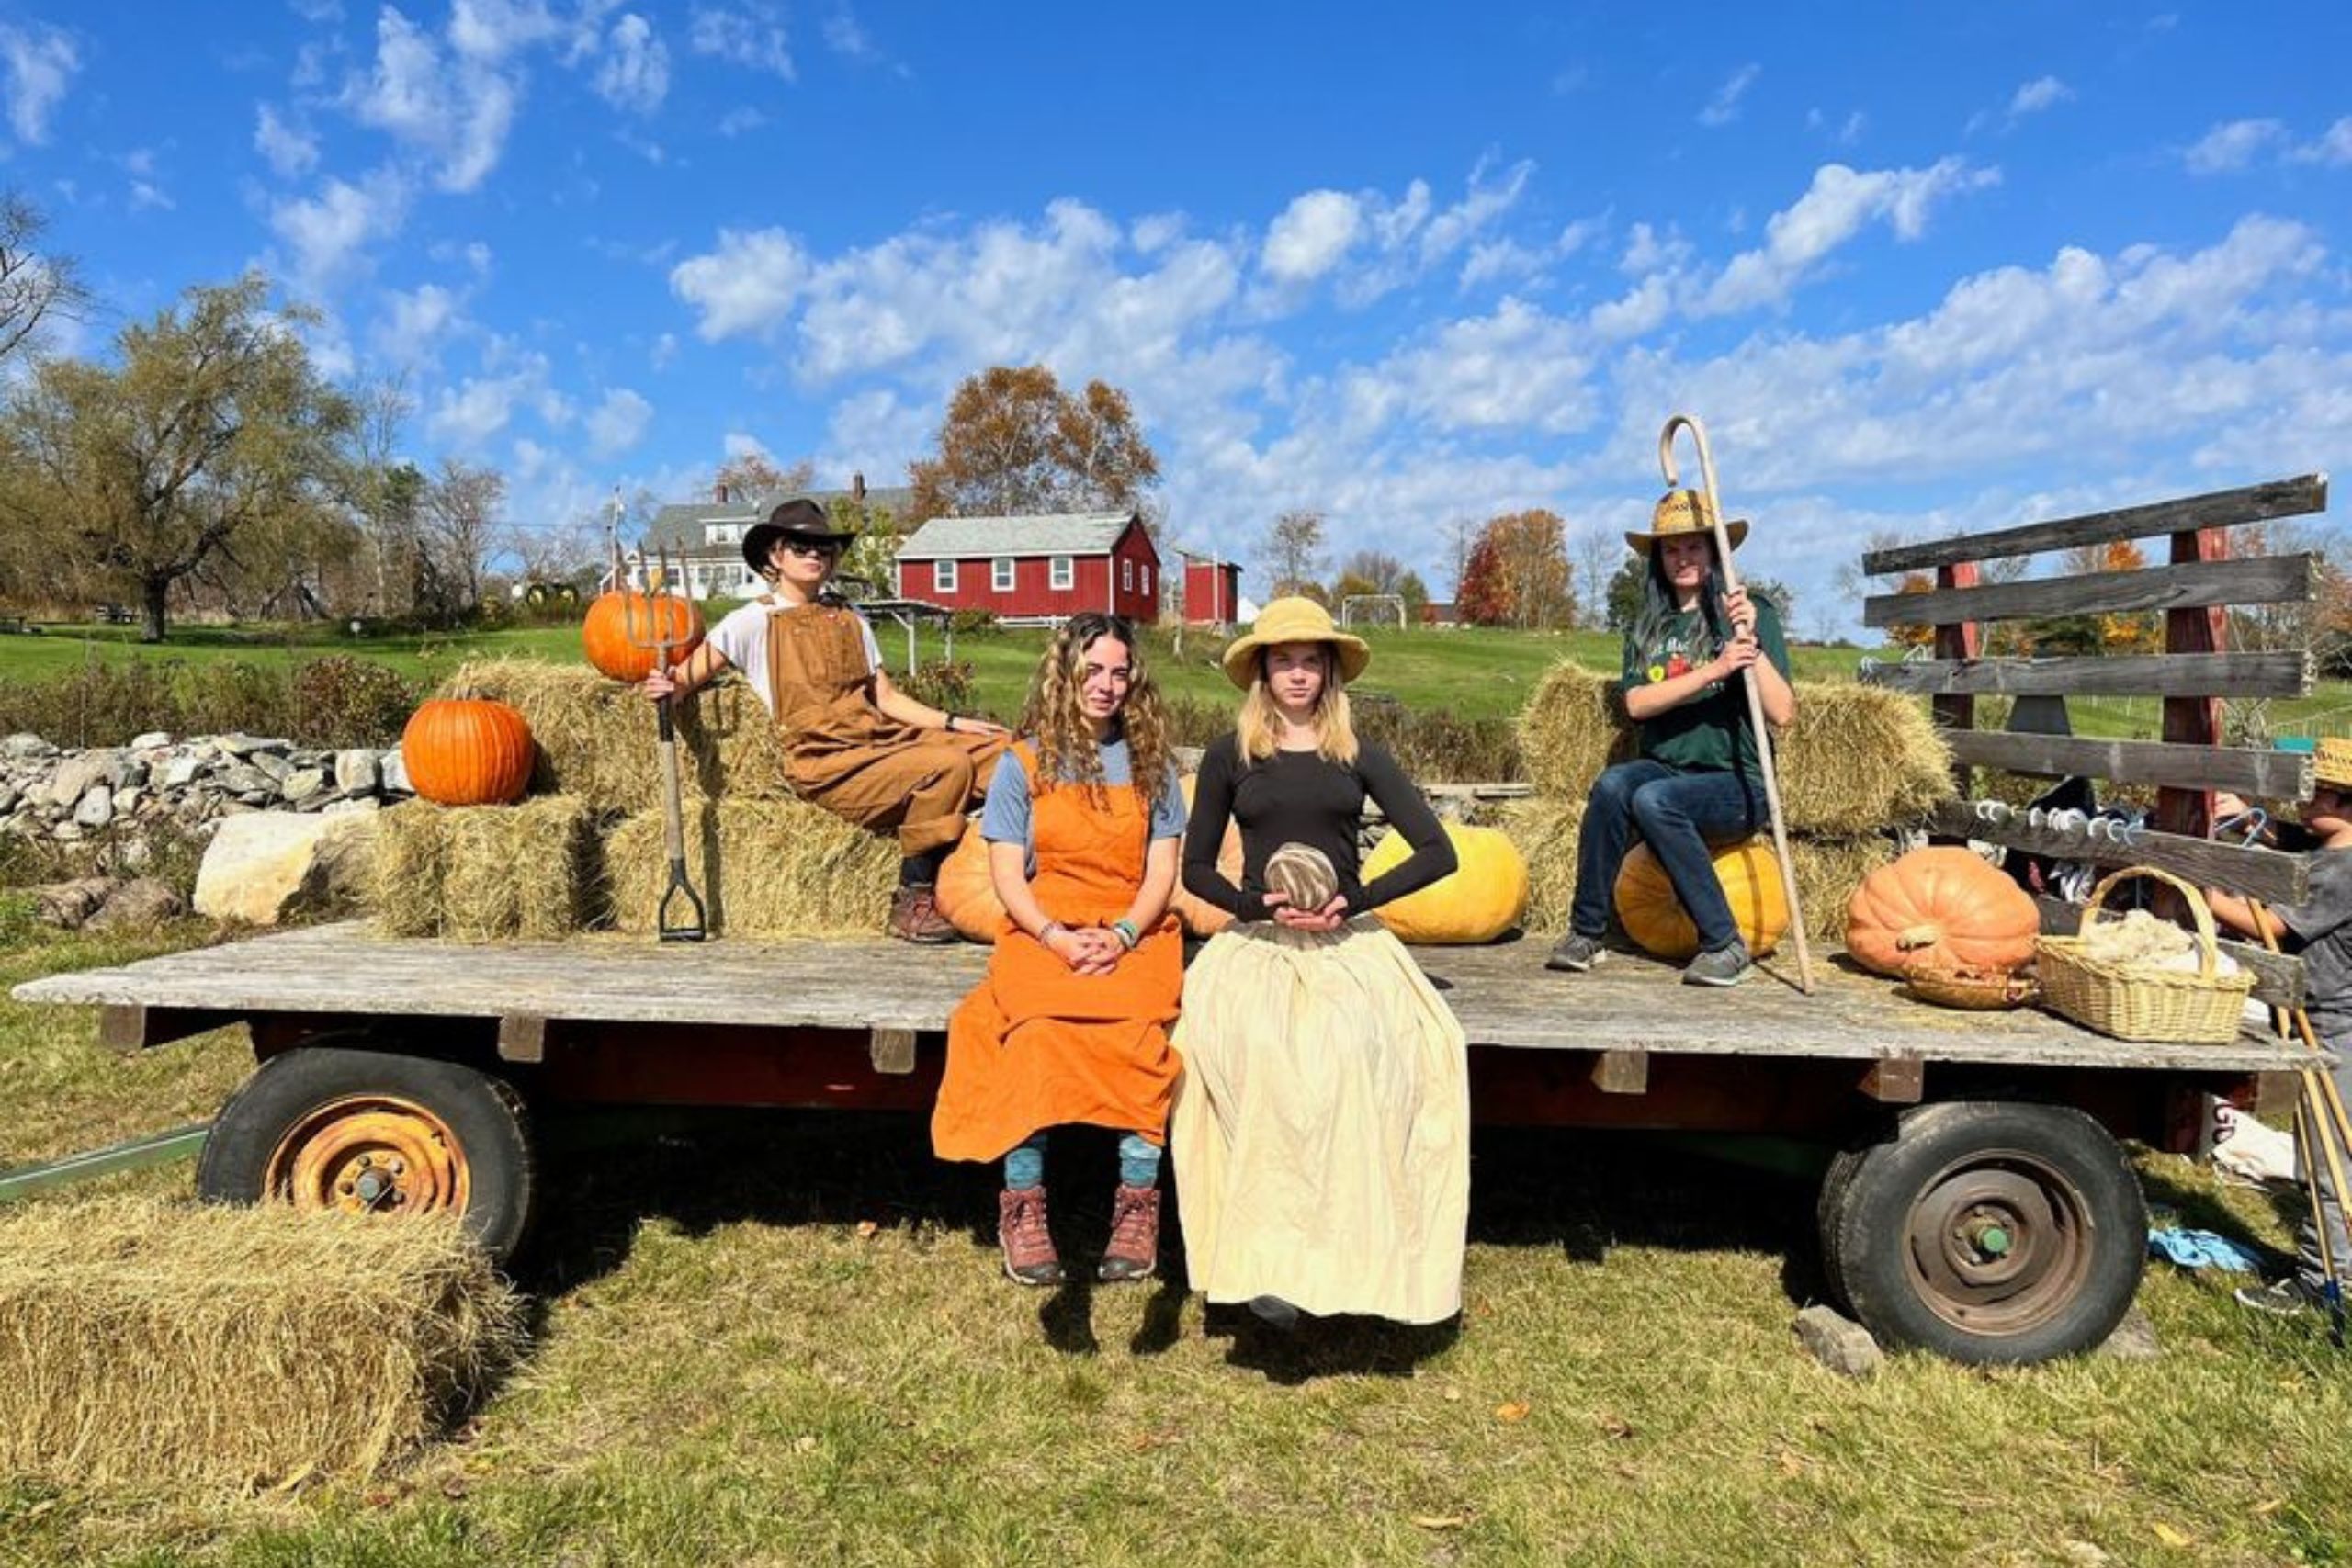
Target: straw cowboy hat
(1684,512)
(1293,620)
(801,519)
(2332,762)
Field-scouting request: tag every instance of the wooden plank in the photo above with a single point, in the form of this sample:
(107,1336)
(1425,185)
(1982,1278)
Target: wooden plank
(1621,1072)
(2258,775)
(2262,580)
(2124,675)
(2218,509)
(2192,721)
(133,1026)
(2277,976)
(891,1051)
(2266,875)
(522,1037)
(1895,1080)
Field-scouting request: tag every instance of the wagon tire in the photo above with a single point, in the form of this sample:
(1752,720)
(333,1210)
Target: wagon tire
(1829,1211)
(1990,1231)
(378,1132)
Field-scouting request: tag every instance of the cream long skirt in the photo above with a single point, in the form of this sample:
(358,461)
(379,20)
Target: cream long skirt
(1321,1124)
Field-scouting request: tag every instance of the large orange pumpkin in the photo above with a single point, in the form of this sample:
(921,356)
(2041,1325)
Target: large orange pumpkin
(467,751)
(604,633)
(1485,897)
(1653,917)
(1943,908)
(967,897)
(1200,917)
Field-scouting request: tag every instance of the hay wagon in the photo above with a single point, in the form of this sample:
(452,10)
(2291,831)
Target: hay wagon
(1979,1203)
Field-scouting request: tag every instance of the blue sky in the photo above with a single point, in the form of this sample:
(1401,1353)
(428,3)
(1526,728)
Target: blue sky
(1919,269)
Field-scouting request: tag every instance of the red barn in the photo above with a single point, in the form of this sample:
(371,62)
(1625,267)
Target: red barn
(1212,591)
(1034,569)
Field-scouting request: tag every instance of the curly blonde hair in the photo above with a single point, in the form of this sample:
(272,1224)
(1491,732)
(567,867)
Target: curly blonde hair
(1260,721)
(1056,716)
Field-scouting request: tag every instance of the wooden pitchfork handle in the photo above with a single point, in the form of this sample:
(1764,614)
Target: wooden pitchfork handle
(674,833)
(1754,693)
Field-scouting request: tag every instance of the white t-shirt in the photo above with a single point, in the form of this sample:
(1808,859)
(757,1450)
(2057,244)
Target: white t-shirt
(741,638)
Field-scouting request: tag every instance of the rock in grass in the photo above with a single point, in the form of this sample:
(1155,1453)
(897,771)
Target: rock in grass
(355,771)
(263,865)
(142,904)
(1839,1343)
(2134,1339)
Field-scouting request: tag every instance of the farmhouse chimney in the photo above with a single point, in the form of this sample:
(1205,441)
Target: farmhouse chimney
(719,493)
(857,488)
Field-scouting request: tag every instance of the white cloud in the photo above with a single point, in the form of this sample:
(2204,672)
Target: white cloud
(492,29)
(1834,208)
(1724,108)
(2042,93)
(618,423)
(415,321)
(634,75)
(146,196)
(2334,146)
(845,37)
(751,36)
(738,120)
(1311,235)
(328,231)
(1515,369)
(289,152)
(467,415)
(2233,145)
(457,110)
(38,63)
(665,351)
(748,284)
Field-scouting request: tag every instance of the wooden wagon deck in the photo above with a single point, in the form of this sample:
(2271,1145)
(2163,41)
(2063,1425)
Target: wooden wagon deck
(1502,994)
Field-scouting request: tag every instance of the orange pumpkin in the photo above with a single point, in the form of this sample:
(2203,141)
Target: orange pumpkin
(967,896)
(1941,909)
(1653,917)
(1200,917)
(467,751)
(604,633)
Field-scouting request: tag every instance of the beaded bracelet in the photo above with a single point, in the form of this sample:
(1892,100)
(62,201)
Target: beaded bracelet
(1127,933)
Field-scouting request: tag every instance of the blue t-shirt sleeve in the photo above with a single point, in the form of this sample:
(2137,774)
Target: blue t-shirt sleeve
(1005,818)
(1168,811)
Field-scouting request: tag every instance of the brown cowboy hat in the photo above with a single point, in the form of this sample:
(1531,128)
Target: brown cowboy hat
(1684,512)
(1293,620)
(802,519)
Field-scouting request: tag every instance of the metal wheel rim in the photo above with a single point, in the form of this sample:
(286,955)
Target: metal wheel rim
(370,1153)
(1999,1243)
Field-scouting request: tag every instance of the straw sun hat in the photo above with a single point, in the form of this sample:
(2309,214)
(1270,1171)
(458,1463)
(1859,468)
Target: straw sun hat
(1684,512)
(1293,620)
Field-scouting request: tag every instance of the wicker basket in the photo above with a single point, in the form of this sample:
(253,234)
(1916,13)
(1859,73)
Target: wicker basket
(2135,1001)
(1970,993)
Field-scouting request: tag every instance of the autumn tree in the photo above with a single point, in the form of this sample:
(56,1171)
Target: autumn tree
(750,475)
(1416,595)
(1482,597)
(210,425)
(1293,552)
(1015,442)
(1913,634)
(1518,573)
(38,288)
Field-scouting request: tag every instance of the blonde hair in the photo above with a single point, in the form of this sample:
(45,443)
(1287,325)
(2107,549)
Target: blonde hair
(1055,716)
(1259,723)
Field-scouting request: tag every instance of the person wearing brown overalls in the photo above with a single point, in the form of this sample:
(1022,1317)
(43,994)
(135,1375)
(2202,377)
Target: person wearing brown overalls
(854,743)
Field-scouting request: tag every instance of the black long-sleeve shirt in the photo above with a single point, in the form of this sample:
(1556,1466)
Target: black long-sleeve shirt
(1298,797)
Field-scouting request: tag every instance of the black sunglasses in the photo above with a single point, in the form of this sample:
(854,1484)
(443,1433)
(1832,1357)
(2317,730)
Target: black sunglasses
(809,546)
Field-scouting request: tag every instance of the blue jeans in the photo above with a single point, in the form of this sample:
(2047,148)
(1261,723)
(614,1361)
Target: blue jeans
(1678,816)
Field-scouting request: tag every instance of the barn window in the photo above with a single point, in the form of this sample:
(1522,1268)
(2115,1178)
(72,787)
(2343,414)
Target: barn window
(942,576)
(1000,575)
(1126,576)
(1064,574)
(1147,579)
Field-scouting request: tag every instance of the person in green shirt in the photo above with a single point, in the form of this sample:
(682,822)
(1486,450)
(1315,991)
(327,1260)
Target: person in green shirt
(1698,781)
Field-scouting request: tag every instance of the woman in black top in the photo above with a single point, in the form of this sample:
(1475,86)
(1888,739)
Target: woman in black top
(1320,1130)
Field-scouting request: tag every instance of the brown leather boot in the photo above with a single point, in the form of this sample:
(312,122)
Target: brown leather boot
(915,917)
(1134,1252)
(1029,1255)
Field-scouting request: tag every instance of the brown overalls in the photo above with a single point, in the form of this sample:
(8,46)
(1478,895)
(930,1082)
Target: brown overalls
(848,756)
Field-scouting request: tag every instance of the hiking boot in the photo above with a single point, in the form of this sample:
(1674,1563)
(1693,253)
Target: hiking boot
(1029,1255)
(1724,966)
(1133,1251)
(915,917)
(1575,953)
(2285,1298)
(1273,1311)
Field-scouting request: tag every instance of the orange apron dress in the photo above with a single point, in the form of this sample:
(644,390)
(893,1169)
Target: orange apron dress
(848,756)
(1037,1044)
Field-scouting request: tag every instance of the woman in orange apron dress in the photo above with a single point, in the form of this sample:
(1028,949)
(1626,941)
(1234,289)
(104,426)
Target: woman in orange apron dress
(1070,1024)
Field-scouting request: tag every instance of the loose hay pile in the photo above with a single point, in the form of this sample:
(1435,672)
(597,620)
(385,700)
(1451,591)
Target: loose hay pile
(482,872)
(144,1342)
(767,869)
(596,735)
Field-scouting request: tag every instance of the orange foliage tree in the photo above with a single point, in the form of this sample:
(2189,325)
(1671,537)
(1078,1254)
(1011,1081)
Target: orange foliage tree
(1015,442)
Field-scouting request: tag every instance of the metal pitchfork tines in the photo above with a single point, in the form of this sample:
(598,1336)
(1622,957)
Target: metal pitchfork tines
(647,626)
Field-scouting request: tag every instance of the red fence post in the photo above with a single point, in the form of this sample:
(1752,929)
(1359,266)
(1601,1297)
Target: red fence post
(2193,721)
(1958,640)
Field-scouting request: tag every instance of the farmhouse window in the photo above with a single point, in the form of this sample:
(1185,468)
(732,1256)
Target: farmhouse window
(942,576)
(1126,576)
(1063,574)
(1000,575)
(1147,579)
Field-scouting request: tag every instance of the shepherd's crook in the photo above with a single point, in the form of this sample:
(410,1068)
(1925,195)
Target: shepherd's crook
(1754,693)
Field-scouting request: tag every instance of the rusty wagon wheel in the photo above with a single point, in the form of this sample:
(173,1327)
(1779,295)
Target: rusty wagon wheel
(1988,1231)
(377,1132)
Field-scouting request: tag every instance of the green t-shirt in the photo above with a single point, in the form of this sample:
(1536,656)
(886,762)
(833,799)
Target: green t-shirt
(1709,732)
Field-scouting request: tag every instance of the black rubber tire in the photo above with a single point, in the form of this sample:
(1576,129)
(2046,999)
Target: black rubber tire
(2099,1221)
(1830,1211)
(485,1116)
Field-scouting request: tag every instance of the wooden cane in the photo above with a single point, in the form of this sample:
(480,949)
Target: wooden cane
(2331,1098)
(1754,693)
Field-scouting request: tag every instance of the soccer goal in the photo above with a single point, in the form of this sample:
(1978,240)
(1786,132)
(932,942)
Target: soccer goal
(1372,609)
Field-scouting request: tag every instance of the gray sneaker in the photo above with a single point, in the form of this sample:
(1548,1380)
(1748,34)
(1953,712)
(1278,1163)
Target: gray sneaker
(1724,966)
(2284,1298)
(1577,953)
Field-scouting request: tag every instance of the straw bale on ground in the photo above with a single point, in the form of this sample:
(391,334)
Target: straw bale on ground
(154,1343)
(1545,828)
(597,737)
(1856,759)
(483,872)
(774,868)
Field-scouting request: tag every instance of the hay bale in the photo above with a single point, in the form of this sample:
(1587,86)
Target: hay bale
(484,873)
(1544,829)
(766,868)
(1572,727)
(1828,870)
(144,1342)
(597,737)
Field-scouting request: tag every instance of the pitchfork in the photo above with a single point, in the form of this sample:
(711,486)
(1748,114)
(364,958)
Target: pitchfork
(648,627)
